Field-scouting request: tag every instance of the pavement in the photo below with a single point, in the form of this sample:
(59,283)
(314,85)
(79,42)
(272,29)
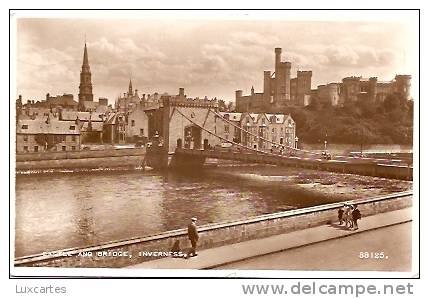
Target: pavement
(221,256)
(384,249)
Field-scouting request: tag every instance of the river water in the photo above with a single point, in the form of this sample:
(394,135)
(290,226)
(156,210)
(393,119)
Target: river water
(63,210)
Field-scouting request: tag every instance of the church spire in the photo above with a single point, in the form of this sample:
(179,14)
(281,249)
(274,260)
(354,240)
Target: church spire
(85,57)
(85,87)
(130,89)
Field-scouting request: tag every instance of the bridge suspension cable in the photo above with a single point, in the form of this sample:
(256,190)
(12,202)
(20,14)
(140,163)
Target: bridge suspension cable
(259,137)
(212,133)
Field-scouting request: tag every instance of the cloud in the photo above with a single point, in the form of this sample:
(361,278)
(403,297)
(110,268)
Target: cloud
(207,58)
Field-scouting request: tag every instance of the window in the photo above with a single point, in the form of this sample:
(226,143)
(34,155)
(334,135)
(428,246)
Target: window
(141,131)
(64,148)
(25,138)
(26,148)
(36,148)
(24,126)
(74,138)
(263,120)
(133,123)
(73,148)
(226,128)
(72,127)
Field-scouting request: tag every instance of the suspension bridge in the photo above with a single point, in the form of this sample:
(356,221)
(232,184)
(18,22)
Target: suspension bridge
(189,134)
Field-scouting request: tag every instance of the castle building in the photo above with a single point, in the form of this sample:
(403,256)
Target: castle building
(85,86)
(280,90)
(371,90)
(300,88)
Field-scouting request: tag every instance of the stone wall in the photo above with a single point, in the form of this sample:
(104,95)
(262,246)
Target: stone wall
(212,235)
(108,158)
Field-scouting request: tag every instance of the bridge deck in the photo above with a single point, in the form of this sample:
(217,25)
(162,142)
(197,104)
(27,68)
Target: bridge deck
(361,166)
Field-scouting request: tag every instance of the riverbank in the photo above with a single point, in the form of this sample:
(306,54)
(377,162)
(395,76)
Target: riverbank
(345,149)
(84,159)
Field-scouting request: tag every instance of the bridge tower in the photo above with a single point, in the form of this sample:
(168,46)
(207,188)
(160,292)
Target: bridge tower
(183,121)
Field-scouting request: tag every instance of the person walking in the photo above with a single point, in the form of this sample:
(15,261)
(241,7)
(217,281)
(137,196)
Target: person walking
(356,216)
(340,214)
(193,236)
(347,216)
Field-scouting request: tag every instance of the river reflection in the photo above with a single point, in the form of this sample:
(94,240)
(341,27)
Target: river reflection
(55,211)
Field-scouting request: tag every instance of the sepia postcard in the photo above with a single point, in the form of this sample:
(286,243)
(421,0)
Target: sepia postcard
(263,143)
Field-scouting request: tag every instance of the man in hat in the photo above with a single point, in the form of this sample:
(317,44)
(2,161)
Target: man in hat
(193,236)
(356,215)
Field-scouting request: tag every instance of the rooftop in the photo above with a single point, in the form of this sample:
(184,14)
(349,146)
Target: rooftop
(82,116)
(43,126)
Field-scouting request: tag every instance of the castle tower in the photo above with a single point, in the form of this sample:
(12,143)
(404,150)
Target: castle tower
(85,86)
(303,86)
(267,87)
(403,86)
(278,52)
(282,80)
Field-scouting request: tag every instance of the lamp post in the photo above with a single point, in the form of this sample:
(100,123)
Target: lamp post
(326,142)
(296,142)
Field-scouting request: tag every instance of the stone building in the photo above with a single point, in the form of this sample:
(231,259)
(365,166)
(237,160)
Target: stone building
(277,128)
(228,130)
(301,88)
(280,90)
(47,134)
(137,125)
(90,124)
(114,128)
(64,101)
(370,90)
(128,101)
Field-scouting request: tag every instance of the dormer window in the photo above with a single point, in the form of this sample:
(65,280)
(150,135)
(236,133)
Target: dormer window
(24,126)
(72,127)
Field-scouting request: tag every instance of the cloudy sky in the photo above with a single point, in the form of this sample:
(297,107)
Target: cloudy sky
(207,57)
